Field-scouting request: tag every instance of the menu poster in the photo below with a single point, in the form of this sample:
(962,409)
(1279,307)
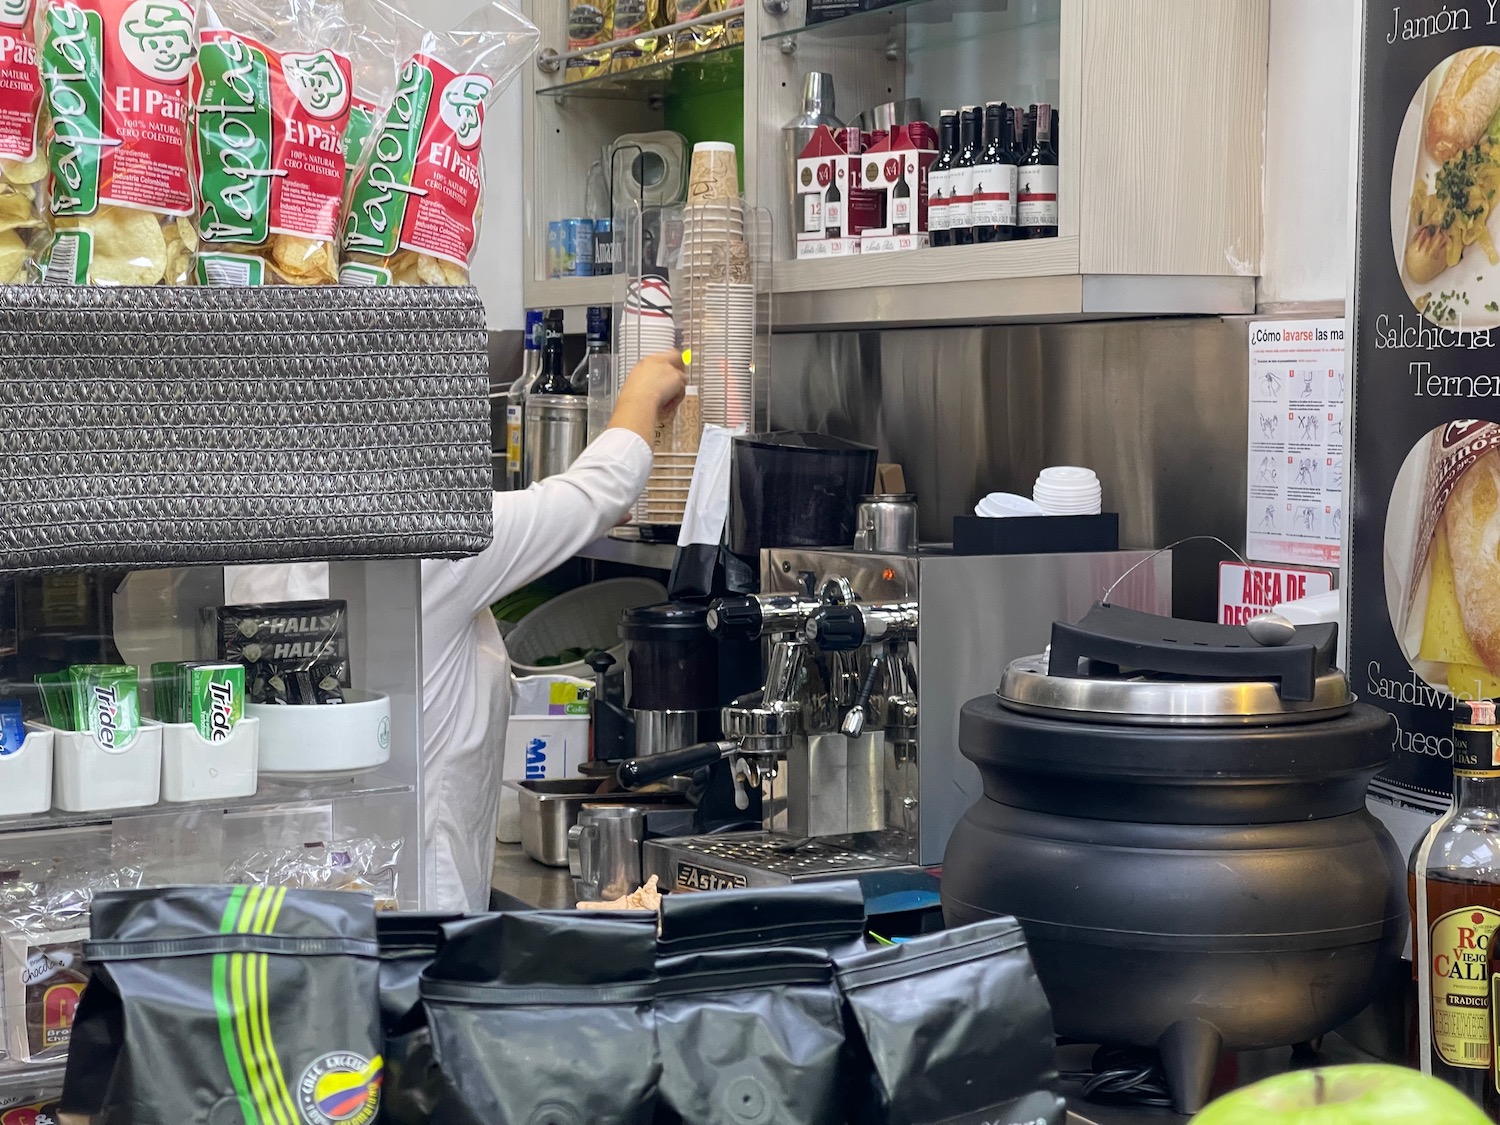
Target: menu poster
(1294,500)
(1422,570)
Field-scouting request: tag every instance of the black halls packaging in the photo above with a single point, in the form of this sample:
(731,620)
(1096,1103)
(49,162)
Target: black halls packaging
(229,1004)
(749,1035)
(542,1018)
(824,916)
(951,1027)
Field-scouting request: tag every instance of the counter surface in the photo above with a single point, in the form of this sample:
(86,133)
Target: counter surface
(521,880)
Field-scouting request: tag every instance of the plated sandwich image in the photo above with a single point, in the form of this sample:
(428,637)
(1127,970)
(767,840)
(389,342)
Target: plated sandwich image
(1447,178)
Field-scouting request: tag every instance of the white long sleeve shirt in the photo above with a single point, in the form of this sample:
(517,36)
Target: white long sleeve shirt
(465,668)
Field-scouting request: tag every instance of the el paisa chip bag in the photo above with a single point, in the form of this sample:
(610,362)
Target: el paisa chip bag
(232,1004)
(115,74)
(23,164)
(534,1016)
(272,90)
(414,212)
(384,37)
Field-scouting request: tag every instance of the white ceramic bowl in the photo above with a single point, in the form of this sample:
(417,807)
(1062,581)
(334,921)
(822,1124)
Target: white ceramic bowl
(327,738)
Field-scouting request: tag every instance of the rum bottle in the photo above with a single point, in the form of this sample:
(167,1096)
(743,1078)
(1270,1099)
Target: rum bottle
(1455,897)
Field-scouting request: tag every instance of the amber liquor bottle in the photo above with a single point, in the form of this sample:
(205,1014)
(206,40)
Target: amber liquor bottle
(1455,899)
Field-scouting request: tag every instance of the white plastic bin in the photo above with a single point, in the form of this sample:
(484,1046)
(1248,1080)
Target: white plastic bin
(88,778)
(323,738)
(26,776)
(194,769)
(537,747)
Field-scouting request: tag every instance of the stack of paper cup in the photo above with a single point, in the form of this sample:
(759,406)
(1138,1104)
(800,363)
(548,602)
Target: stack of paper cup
(646,325)
(1067,490)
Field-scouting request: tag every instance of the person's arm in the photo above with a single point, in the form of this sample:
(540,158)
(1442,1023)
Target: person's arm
(547,524)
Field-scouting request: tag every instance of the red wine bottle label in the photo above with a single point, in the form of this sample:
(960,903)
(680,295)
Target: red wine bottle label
(989,196)
(812,214)
(961,198)
(1036,202)
(833,217)
(937,200)
(1009,180)
(901,210)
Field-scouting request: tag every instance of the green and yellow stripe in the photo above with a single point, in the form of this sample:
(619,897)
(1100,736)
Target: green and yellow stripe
(242,1003)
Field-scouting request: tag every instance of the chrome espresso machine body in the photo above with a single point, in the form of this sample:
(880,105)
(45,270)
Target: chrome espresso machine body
(853,740)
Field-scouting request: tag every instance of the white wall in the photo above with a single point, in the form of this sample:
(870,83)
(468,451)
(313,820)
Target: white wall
(1309,99)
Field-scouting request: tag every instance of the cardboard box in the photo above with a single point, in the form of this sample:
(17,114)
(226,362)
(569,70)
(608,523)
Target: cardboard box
(822,171)
(898,169)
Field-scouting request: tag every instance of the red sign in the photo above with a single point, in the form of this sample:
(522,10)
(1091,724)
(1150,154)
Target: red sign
(1245,591)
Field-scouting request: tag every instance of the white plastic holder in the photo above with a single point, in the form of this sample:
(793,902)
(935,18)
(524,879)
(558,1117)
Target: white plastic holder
(26,776)
(88,778)
(324,738)
(195,769)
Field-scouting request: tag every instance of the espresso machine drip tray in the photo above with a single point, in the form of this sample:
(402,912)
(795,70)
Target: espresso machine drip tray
(757,859)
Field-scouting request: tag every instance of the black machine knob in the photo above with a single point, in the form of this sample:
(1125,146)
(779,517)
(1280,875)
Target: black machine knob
(735,619)
(837,628)
(600,662)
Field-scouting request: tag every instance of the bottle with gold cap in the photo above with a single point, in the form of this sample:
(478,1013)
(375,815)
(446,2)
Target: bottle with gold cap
(1455,900)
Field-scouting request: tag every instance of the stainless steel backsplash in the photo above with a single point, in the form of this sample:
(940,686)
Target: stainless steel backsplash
(1155,407)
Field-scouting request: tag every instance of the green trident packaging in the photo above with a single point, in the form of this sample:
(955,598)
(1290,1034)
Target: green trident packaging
(245,1006)
(271,98)
(413,213)
(115,75)
(106,703)
(215,698)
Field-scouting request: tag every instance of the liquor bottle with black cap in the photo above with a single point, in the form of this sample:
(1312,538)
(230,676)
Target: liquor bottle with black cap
(1036,199)
(553,380)
(940,180)
(995,179)
(961,199)
(1454,883)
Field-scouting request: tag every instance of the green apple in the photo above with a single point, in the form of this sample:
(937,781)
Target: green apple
(1345,1095)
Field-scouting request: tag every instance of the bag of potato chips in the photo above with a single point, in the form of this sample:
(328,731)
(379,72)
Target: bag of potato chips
(413,215)
(271,96)
(383,38)
(23,166)
(115,77)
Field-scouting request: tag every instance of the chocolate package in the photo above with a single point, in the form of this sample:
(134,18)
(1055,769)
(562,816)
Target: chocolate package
(44,975)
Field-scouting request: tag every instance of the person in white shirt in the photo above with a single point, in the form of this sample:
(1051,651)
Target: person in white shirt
(465,669)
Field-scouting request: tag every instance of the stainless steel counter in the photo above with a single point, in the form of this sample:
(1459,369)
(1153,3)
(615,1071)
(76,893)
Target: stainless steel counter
(533,884)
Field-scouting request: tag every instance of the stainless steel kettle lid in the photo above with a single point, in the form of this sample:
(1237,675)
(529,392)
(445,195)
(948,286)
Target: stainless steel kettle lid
(1120,665)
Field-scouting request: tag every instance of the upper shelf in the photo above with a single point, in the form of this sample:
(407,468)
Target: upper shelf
(719,66)
(926,23)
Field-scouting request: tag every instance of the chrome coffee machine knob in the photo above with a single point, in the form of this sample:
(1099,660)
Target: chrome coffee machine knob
(844,628)
(767,615)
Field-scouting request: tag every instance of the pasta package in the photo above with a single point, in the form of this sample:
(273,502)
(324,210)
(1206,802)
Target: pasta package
(115,78)
(23,167)
(415,209)
(271,95)
(591,23)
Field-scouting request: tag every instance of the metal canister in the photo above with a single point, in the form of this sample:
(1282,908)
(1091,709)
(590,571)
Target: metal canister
(886,523)
(557,428)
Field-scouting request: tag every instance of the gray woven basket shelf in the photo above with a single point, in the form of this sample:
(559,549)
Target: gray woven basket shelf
(182,426)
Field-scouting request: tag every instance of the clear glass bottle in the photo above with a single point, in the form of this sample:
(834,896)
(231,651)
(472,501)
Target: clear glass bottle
(515,402)
(599,371)
(1454,884)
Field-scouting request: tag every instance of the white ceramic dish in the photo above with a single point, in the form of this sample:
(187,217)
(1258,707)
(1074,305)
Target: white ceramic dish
(322,739)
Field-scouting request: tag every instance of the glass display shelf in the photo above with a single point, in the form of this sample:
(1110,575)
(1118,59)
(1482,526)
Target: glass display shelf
(41,1080)
(703,72)
(273,791)
(928,23)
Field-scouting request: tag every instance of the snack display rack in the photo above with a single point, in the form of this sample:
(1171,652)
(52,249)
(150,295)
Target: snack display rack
(697,279)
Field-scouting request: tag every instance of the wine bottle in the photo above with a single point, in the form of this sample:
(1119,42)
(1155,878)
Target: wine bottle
(901,203)
(833,208)
(961,202)
(939,179)
(553,380)
(1036,201)
(994,177)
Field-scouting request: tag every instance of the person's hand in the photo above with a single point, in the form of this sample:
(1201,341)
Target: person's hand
(657,381)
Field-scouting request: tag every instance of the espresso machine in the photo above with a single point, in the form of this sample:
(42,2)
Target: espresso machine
(851,745)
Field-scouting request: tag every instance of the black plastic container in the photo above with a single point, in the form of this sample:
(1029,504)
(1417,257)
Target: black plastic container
(674,663)
(792,489)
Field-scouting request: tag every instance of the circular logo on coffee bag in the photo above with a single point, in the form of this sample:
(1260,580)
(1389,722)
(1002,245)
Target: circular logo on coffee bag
(340,1089)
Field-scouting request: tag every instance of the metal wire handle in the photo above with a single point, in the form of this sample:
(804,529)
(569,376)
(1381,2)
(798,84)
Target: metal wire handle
(1170,546)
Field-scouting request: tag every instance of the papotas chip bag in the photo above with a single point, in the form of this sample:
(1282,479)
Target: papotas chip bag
(271,96)
(383,37)
(414,212)
(115,74)
(23,166)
